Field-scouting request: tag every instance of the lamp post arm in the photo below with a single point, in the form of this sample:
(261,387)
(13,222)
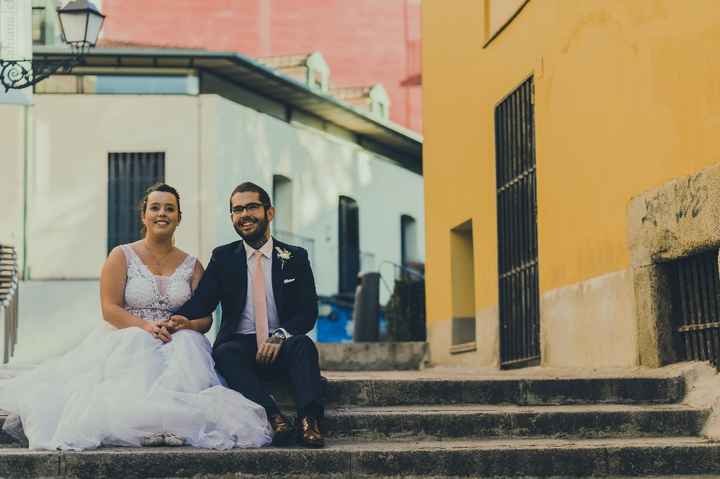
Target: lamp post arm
(19,74)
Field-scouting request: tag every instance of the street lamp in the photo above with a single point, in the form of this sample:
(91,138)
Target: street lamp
(80,23)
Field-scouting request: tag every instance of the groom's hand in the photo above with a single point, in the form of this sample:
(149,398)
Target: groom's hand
(177,322)
(268,353)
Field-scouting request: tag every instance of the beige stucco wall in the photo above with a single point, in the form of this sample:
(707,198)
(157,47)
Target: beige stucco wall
(211,145)
(67,235)
(244,145)
(12,138)
(572,319)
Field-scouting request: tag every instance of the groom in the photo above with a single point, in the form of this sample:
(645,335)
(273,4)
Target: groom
(267,292)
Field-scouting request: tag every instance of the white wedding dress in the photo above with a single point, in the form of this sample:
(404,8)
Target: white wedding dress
(122,385)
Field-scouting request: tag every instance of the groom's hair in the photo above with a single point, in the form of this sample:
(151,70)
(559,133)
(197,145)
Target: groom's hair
(252,187)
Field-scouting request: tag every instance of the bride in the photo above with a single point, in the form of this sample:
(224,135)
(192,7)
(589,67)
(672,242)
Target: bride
(138,379)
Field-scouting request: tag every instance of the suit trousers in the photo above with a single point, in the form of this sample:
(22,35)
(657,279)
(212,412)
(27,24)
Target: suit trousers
(297,361)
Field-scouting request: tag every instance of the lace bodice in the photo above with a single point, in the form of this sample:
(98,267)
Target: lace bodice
(153,297)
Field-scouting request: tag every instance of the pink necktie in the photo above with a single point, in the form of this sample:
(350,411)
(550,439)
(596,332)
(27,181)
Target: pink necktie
(259,303)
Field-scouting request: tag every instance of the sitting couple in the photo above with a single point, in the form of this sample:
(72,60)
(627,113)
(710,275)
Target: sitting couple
(147,375)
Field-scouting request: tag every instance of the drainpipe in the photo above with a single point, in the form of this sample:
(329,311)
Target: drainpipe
(26,183)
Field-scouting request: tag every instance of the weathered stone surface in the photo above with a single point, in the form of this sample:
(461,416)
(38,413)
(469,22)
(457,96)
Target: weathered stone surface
(668,459)
(653,310)
(498,458)
(590,323)
(388,392)
(372,356)
(21,463)
(477,421)
(186,462)
(676,219)
(601,426)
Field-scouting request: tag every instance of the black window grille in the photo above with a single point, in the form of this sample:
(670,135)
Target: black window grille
(129,174)
(519,296)
(696,307)
(349,244)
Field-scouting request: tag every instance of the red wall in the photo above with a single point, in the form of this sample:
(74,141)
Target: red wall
(363,41)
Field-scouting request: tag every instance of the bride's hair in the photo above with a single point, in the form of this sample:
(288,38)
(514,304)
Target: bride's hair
(163,187)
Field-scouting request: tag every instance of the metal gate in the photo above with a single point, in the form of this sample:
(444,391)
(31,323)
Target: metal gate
(129,174)
(696,307)
(519,296)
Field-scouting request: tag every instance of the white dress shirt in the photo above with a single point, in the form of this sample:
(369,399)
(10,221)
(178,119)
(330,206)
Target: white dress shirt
(247,320)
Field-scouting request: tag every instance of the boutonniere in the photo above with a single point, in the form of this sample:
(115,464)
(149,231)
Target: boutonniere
(284,256)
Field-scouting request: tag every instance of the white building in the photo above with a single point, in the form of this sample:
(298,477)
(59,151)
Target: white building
(347,185)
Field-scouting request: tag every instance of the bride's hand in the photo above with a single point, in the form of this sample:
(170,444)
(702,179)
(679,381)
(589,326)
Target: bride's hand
(158,330)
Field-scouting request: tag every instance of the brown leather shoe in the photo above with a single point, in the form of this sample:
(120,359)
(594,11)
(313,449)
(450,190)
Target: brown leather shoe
(308,430)
(282,432)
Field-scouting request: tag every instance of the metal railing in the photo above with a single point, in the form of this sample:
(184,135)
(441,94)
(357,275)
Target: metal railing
(696,307)
(405,310)
(8,300)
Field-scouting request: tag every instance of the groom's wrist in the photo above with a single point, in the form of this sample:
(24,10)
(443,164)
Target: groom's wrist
(280,334)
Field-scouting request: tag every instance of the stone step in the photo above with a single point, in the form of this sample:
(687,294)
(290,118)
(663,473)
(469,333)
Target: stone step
(344,459)
(532,386)
(483,421)
(363,391)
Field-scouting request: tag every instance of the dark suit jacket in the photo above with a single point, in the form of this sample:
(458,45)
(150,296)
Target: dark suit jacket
(225,282)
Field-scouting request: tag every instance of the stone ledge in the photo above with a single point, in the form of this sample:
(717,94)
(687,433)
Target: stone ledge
(495,458)
(379,356)
(483,421)
(672,221)
(676,219)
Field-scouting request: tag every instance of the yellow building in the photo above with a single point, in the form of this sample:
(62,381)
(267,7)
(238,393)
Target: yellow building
(543,119)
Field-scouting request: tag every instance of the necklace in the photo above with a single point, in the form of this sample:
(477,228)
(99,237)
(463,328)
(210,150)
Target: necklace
(158,261)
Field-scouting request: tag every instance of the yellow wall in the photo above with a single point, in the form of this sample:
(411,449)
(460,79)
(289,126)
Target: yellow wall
(462,271)
(627,96)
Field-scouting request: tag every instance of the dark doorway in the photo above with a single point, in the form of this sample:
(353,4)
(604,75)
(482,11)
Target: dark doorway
(348,244)
(519,292)
(129,174)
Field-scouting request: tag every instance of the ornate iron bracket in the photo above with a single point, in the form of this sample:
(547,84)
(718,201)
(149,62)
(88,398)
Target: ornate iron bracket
(17,74)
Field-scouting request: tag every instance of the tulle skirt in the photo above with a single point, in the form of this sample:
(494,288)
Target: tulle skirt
(120,386)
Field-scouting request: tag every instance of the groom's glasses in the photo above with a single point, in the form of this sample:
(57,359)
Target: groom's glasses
(250,208)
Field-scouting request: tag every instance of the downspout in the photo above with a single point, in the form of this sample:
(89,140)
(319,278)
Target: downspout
(26,194)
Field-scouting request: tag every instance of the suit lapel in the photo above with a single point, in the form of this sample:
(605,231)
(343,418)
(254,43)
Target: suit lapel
(277,275)
(239,272)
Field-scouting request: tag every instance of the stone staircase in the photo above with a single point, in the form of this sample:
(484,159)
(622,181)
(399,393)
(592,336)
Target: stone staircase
(451,423)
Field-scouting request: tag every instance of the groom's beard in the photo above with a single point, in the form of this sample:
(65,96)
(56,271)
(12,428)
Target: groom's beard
(257,238)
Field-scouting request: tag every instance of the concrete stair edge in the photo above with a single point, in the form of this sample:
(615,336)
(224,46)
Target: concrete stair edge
(481,421)
(529,458)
